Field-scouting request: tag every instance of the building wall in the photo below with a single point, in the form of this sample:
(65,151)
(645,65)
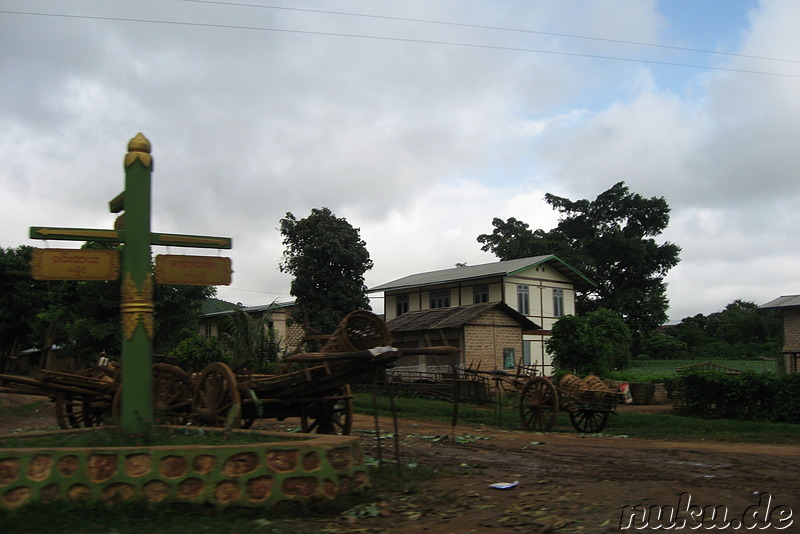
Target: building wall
(461,294)
(488,338)
(791,329)
(540,286)
(208,327)
(791,340)
(541,281)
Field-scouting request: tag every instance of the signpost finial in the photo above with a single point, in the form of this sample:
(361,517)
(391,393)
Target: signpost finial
(139,148)
(139,143)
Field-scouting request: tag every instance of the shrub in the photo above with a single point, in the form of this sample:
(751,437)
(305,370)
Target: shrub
(594,343)
(197,351)
(749,396)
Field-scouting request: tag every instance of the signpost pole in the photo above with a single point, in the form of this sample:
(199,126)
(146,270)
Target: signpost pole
(136,304)
(137,291)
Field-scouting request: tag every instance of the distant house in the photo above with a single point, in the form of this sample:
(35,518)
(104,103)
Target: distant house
(789,305)
(213,324)
(541,289)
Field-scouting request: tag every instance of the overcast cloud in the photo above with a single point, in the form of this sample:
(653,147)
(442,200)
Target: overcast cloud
(418,133)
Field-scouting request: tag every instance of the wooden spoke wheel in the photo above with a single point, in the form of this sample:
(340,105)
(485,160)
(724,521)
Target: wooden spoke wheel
(538,404)
(252,408)
(588,421)
(79,411)
(173,394)
(216,395)
(330,416)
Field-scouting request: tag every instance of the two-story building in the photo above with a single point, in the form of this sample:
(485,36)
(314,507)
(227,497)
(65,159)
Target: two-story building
(541,289)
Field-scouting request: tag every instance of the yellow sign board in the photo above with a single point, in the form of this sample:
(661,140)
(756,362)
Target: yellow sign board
(73,264)
(177,269)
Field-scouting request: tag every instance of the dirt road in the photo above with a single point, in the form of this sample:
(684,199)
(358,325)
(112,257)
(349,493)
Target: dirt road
(565,482)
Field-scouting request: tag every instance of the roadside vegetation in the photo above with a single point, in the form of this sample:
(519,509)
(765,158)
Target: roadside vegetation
(23,410)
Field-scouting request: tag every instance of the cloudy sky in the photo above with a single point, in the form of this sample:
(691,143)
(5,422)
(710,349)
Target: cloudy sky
(417,121)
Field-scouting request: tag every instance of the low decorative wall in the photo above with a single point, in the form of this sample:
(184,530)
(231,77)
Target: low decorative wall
(283,466)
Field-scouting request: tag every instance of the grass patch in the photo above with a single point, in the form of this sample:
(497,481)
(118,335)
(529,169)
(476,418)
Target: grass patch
(22,410)
(634,425)
(680,428)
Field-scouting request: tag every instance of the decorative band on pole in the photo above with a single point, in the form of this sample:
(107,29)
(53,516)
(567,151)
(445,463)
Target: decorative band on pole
(137,306)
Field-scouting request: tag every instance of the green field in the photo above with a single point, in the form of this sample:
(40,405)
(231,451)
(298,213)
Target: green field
(649,370)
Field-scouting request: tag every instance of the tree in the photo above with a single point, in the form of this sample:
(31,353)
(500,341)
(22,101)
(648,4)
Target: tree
(84,316)
(660,346)
(328,259)
(594,343)
(21,299)
(611,240)
(177,313)
(741,330)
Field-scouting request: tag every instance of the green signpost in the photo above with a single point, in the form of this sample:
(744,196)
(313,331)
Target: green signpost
(136,306)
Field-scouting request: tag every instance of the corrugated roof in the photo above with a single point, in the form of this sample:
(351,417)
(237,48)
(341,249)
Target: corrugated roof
(454,317)
(253,309)
(486,270)
(786,301)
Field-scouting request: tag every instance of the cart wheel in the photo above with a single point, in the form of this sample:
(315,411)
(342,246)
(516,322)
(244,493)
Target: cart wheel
(173,393)
(216,395)
(538,404)
(250,409)
(79,411)
(330,417)
(588,421)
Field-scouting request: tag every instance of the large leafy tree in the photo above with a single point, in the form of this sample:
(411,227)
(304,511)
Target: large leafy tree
(612,240)
(21,299)
(741,330)
(328,259)
(84,317)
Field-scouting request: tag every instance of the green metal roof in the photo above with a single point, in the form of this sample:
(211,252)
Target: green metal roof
(786,301)
(487,270)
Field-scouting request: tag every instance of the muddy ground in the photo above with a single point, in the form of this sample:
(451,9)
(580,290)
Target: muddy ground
(565,482)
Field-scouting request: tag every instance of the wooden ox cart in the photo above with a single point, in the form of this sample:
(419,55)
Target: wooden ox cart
(91,397)
(315,388)
(588,401)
